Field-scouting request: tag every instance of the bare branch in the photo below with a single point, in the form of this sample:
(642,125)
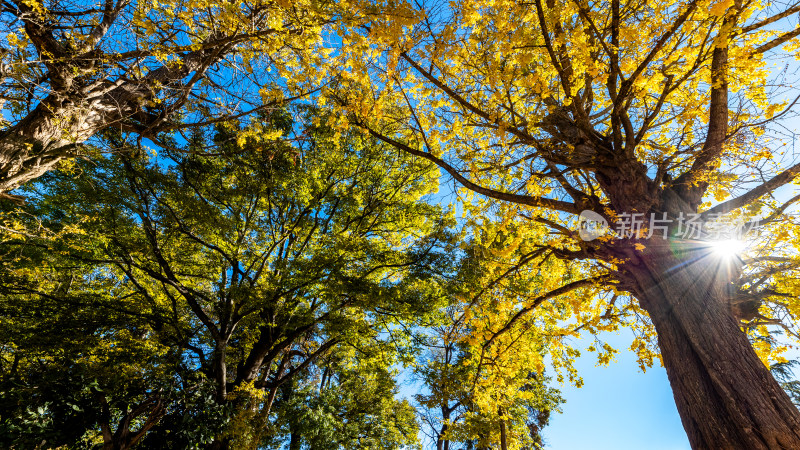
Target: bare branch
(556,205)
(765,188)
(541,299)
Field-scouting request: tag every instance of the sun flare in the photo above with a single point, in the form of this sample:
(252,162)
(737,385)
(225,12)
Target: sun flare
(728,248)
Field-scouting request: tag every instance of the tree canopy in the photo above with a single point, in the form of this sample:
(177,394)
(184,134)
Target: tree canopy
(619,164)
(271,272)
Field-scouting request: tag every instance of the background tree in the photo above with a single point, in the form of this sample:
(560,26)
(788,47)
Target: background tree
(458,412)
(80,375)
(252,264)
(480,389)
(660,109)
(784,373)
(348,401)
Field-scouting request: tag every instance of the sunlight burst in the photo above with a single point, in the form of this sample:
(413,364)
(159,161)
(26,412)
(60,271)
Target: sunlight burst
(728,248)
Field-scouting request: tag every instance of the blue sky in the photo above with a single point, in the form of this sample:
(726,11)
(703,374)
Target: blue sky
(618,408)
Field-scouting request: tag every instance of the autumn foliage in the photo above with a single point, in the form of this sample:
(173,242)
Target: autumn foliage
(245,195)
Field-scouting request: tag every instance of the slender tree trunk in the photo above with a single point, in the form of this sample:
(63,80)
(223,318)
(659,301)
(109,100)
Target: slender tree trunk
(294,441)
(503,430)
(221,380)
(221,372)
(441,442)
(725,395)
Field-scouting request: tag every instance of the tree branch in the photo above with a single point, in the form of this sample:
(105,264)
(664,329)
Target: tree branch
(556,205)
(735,203)
(541,299)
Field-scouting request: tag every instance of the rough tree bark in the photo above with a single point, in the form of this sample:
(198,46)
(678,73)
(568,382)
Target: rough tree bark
(725,395)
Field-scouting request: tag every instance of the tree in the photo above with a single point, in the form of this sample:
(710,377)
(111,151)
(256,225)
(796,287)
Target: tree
(66,374)
(348,402)
(784,373)
(78,368)
(256,263)
(655,110)
(460,403)
(71,69)
(479,388)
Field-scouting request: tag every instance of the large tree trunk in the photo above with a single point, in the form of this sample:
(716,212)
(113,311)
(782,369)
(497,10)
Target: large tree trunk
(47,135)
(64,120)
(725,395)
